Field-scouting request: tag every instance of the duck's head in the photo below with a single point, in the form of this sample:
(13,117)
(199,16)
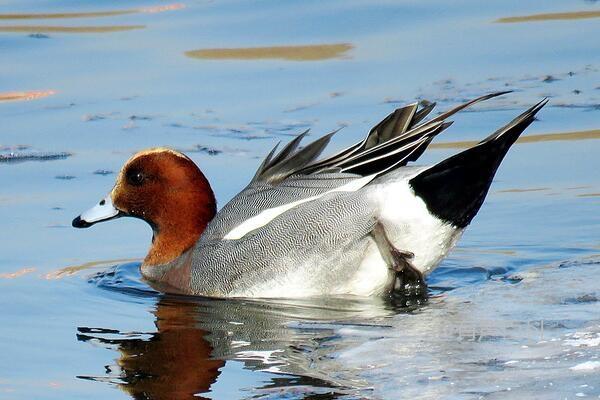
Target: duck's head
(167,190)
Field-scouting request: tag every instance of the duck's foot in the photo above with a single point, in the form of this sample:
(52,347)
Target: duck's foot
(409,287)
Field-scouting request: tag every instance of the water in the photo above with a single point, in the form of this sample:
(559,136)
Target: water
(513,310)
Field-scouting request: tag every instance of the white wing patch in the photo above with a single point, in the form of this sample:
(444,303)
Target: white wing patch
(268,215)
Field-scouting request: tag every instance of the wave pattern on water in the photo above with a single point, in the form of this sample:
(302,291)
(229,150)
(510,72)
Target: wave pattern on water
(360,347)
(22,156)
(504,317)
(69,29)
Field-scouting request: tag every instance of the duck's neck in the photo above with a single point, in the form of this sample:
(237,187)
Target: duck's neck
(167,246)
(179,225)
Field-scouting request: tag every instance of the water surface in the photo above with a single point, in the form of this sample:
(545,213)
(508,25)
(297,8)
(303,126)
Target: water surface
(513,311)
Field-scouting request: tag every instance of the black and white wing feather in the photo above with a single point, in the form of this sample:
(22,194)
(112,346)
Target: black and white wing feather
(293,175)
(399,138)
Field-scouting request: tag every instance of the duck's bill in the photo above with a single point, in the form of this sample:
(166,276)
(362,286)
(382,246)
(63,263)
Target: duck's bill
(103,211)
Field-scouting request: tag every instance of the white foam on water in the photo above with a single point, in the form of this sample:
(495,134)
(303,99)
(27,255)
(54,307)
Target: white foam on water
(586,366)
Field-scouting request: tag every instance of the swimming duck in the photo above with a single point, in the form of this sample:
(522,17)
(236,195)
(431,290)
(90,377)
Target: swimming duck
(347,224)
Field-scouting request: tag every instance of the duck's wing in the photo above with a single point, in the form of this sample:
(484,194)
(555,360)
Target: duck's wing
(289,160)
(293,177)
(399,138)
(259,197)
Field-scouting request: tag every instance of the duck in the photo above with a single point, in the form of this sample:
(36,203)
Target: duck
(359,222)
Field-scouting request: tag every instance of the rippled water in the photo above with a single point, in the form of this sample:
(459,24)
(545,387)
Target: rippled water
(513,311)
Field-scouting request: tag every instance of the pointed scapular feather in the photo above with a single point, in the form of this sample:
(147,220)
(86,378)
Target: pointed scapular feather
(394,124)
(341,155)
(388,161)
(401,137)
(414,156)
(391,145)
(263,166)
(453,111)
(289,149)
(282,168)
(427,107)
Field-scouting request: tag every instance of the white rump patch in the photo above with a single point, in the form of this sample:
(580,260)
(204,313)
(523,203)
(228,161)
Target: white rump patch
(411,227)
(266,216)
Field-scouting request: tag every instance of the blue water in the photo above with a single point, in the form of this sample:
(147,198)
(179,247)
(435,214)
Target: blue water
(513,311)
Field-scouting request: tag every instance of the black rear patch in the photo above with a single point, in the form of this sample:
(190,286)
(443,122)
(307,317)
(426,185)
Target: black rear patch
(455,188)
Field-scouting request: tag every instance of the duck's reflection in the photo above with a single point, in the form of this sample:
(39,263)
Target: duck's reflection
(172,363)
(194,337)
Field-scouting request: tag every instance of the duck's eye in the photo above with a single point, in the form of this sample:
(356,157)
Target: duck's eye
(136,178)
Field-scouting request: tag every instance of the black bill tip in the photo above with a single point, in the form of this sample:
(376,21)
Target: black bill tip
(80,223)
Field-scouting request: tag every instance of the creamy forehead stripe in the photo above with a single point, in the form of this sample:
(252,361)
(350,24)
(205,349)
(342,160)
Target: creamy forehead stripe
(270,214)
(156,150)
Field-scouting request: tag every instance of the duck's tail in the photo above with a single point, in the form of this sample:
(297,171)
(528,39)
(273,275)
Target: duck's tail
(455,188)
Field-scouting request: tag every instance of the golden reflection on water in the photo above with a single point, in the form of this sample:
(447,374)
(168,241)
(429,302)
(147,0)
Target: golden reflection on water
(290,53)
(72,270)
(16,274)
(69,29)
(578,187)
(589,195)
(93,14)
(546,137)
(550,17)
(29,95)
(67,15)
(523,190)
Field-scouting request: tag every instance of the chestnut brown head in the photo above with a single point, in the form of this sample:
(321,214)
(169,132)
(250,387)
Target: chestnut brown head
(167,190)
